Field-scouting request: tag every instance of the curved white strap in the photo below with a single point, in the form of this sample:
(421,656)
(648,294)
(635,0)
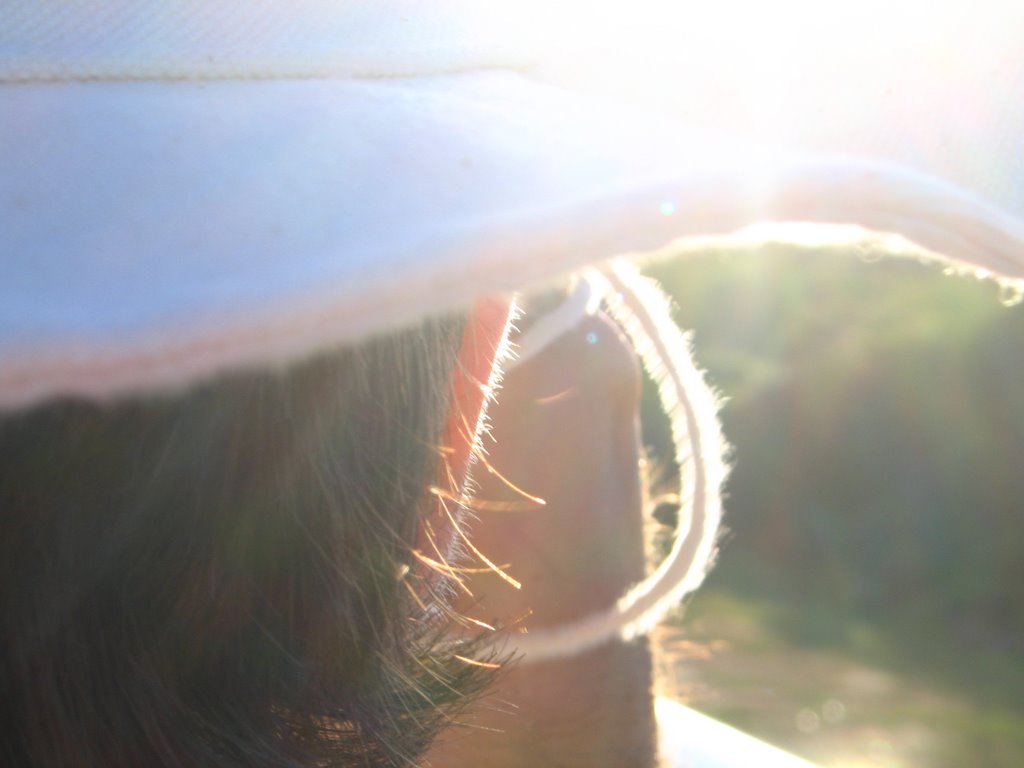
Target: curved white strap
(642,310)
(581,301)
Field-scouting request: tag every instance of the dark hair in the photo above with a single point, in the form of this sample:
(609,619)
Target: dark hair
(224,577)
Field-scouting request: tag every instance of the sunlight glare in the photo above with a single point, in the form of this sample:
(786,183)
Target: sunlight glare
(760,65)
(750,81)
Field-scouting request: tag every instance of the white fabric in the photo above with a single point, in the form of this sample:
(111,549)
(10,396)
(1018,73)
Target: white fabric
(292,192)
(689,739)
(200,39)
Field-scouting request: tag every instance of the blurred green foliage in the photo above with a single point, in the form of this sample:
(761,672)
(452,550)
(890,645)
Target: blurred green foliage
(877,416)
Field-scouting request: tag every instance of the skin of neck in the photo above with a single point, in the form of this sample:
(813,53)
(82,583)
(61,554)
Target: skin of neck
(565,428)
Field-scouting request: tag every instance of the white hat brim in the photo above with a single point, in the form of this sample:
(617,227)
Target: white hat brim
(155,233)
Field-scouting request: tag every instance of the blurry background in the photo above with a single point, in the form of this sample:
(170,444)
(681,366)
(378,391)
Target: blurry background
(867,610)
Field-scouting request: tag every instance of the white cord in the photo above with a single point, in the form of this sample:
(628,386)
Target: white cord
(642,310)
(581,301)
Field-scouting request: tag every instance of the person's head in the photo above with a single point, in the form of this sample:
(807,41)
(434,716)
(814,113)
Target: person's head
(236,243)
(224,576)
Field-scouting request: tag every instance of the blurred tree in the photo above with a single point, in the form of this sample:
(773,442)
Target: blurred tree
(877,414)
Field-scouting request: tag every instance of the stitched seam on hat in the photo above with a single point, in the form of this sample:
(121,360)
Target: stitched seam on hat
(65,72)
